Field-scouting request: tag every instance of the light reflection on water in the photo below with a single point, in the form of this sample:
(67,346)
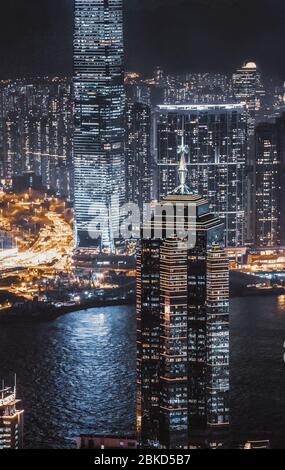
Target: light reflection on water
(77,374)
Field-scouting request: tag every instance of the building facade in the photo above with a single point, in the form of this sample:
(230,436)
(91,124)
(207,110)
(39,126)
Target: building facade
(216,137)
(183,329)
(248,90)
(267,193)
(138,154)
(11,420)
(99,120)
(280,123)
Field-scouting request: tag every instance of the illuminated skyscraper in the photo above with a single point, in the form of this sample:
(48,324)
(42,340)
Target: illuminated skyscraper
(248,90)
(280,123)
(138,154)
(11,420)
(267,186)
(183,328)
(216,137)
(36,129)
(247,86)
(99,123)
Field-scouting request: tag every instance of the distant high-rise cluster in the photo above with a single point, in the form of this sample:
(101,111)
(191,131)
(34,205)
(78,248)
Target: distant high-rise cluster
(36,129)
(127,130)
(218,115)
(99,140)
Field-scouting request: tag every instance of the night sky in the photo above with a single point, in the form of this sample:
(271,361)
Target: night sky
(181,35)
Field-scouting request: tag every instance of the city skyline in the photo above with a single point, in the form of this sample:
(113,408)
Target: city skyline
(142,254)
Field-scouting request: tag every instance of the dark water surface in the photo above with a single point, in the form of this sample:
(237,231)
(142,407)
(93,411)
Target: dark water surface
(77,374)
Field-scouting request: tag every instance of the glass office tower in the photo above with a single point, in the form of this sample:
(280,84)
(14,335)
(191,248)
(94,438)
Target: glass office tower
(99,121)
(183,329)
(216,137)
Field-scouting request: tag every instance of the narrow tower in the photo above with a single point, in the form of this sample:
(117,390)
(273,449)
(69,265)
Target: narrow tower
(99,166)
(183,325)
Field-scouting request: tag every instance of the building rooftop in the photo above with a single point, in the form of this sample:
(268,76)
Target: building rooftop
(200,107)
(250,65)
(7,397)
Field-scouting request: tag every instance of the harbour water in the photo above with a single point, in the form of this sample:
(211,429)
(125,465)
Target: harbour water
(77,374)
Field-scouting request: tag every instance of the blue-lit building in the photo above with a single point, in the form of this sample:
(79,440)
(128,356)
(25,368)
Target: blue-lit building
(99,121)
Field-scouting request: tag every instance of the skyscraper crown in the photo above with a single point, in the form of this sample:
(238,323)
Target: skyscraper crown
(182,189)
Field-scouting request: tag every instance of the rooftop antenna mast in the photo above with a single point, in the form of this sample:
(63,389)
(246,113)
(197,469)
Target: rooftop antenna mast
(182,150)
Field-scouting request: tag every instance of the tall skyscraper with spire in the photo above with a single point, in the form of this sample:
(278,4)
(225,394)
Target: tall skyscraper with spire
(182,324)
(99,121)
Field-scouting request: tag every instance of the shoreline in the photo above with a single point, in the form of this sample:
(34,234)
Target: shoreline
(43,313)
(40,312)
